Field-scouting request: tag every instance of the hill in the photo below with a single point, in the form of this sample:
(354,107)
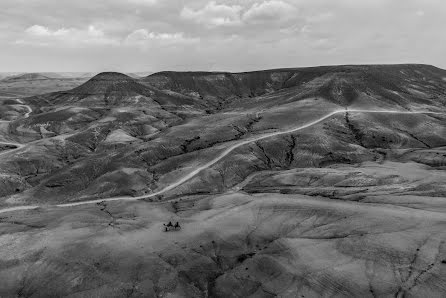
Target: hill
(26,77)
(30,84)
(342,85)
(111,88)
(113,110)
(323,181)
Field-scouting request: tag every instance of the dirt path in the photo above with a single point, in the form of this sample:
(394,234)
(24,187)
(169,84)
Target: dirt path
(22,104)
(18,145)
(217,159)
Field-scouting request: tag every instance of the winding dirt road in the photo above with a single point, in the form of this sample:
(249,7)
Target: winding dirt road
(22,104)
(215,160)
(17,145)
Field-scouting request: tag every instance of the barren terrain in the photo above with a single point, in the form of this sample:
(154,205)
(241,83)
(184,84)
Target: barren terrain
(310,182)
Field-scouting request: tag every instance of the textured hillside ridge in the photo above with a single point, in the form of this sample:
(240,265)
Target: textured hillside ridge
(306,182)
(26,77)
(110,88)
(108,82)
(341,84)
(165,129)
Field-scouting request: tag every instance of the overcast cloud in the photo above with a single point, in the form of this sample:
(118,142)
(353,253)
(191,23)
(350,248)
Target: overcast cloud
(234,35)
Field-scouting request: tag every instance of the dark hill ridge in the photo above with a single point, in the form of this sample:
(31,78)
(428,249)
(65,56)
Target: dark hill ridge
(395,85)
(109,82)
(26,77)
(340,84)
(111,88)
(110,75)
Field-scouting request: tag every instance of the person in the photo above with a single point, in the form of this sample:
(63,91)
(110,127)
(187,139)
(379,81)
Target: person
(168,226)
(177,226)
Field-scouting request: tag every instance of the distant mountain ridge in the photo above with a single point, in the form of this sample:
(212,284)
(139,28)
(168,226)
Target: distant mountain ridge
(341,84)
(26,77)
(111,88)
(29,76)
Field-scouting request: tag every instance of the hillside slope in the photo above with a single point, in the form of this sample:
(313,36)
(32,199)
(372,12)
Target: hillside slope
(307,182)
(109,89)
(399,84)
(159,134)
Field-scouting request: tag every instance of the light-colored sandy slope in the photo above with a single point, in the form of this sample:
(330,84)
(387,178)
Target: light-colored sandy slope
(380,182)
(222,155)
(119,136)
(232,245)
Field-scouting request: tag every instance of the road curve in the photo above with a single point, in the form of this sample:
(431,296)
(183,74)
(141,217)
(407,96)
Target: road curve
(22,104)
(26,107)
(18,145)
(215,160)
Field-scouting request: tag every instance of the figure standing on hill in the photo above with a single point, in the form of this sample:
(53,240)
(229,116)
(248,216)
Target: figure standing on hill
(168,226)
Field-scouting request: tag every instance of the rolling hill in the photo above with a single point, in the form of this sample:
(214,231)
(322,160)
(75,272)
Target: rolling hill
(301,182)
(110,88)
(26,77)
(165,126)
(342,85)
(29,84)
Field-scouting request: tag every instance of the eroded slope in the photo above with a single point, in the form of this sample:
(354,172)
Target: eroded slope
(351,205)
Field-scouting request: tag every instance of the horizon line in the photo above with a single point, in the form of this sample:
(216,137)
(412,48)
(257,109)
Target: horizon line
(225,71)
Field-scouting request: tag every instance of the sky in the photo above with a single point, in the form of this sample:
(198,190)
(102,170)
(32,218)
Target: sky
(230,35)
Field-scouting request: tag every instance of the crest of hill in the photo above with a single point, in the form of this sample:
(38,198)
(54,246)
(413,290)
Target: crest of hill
(111,89)
(107,83)
(329,82)
(26,77)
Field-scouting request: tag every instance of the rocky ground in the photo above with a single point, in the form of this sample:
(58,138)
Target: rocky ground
(351,205)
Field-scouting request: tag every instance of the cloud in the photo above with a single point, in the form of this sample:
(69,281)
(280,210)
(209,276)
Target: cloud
(145,38)
(213,14)
(323,44)
(420,13)
(320,17)
(43,36)
(197,33)
(142,2)
(38,30)
(270,11)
